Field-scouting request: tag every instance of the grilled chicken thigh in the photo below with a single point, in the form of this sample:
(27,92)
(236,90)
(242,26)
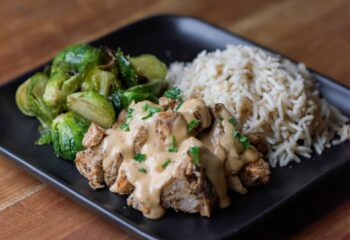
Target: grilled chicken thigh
(152,154)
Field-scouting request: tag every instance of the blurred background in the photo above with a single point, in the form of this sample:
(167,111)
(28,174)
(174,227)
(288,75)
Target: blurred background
(316,32)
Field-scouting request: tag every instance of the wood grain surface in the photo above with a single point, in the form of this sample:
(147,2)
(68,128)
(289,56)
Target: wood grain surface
(312,31)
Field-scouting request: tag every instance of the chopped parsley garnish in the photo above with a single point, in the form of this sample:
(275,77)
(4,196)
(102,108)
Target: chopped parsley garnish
(179,105)
(173,147)
(194,152)
(221,118)
(125,127)
(166,163)
(140,157)
(143,170)
(151,110)
(176,94)
(243,139)
(193,124)
(173,93)
(128,117)
(129,114)
(233,121)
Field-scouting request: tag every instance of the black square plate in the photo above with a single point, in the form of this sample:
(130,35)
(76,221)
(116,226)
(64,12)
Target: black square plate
(171,38)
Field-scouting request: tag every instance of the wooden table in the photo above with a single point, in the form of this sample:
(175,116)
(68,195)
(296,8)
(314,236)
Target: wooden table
(313,31)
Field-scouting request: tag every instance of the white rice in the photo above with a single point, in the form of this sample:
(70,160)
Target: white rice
(267,95)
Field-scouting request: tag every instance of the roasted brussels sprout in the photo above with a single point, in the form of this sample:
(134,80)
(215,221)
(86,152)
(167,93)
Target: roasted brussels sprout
(29,99)
(122,99)
(76,58)
(93,107)
(99,81)
(154,87)
(59,86)
(149,66)
(22,99)
(127,71)
(67,133)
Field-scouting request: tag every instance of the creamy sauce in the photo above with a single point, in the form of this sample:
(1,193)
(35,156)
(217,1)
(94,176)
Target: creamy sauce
(228,149)
(149,183)
(150,176)
(194,106)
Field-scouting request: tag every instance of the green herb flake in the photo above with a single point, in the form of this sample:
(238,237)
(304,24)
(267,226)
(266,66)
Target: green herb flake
(173,147)
(129,114)
(128,117)
(194,152)
(143,170)
(140,157)
(233,121)
(166,163)
(179,105)
(173,93)
(243,139)
(221,118)
(151,110)
(193,124)
(125,127)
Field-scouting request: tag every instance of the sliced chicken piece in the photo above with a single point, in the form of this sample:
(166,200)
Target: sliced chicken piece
(89,164)
(189,191)
(122,185)
(111,171)
(258,141)
(190,194)
(221,141)
(167,103)
(93,136)
(195,110)
(168,125)
(255,173)
(140,138)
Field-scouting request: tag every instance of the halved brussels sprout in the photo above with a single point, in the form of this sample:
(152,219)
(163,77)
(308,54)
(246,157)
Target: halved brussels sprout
(36,105)
(93,107)
(149,66)
(59,86)
(67,133)
(99,81)
(22,100)
(76,58)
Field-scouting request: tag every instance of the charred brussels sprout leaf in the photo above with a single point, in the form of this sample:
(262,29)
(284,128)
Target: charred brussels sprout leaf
(93,107)
(99,81)
(149,66)
(126,69)
(36,105)
(67,133)
(45,136)
(115,99)
(76,58)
